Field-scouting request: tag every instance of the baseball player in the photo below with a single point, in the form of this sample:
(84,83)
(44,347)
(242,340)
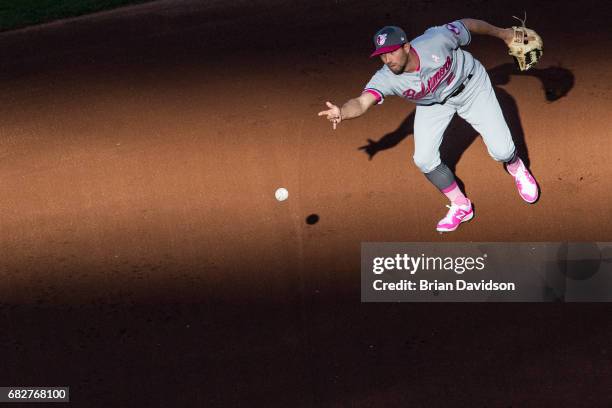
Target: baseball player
(441,78)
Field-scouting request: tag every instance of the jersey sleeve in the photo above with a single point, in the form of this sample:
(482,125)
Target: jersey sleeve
(378,86)
(456,33)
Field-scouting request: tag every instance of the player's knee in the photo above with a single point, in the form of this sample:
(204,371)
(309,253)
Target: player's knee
(502,155)
(426,164)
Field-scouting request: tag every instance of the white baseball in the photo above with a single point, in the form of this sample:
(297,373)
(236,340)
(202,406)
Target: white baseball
(281,194)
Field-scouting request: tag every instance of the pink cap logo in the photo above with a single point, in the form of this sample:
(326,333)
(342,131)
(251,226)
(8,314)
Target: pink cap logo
(380,40)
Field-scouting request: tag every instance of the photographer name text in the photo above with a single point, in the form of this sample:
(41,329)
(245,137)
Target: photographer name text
(435,285)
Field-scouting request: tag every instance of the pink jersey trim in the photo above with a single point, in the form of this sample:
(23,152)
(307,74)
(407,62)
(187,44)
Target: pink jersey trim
(384,50)
(450,188)
(376,94)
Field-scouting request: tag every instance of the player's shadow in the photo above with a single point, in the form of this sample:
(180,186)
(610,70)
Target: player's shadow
(556,83)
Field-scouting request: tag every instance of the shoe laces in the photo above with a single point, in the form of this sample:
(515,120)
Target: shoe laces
(523,175)
(452,209)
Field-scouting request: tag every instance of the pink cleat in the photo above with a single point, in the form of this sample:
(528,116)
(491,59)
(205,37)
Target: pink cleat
(526,184)
(455,216)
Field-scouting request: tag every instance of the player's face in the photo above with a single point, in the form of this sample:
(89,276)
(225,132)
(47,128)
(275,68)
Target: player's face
(396,60)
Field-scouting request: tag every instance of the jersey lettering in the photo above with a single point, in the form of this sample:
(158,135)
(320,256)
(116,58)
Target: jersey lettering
(432,83)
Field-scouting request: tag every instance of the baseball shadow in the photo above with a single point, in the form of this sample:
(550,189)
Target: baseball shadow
(556,83)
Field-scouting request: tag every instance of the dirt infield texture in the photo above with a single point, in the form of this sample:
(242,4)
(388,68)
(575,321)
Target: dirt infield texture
(142,247)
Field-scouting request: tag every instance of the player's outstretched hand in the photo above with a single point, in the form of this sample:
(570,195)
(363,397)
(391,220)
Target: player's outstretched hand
(333,114)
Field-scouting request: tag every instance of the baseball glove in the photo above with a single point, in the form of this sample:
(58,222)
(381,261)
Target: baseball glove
(526,46)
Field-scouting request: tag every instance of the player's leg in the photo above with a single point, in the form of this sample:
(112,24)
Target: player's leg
(481,109)
(430,122)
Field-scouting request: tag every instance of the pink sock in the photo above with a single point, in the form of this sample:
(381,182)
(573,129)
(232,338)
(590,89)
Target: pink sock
(514,166)
(454,194)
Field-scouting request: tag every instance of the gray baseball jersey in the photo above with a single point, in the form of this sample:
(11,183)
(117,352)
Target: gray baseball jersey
(443,67)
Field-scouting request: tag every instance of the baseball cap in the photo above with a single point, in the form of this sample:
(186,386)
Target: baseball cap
(388,39)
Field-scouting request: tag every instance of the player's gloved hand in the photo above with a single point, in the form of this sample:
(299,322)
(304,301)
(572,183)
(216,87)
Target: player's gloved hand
(526,46)
(333,114)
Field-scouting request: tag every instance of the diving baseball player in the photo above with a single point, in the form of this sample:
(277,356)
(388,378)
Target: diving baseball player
(436,74)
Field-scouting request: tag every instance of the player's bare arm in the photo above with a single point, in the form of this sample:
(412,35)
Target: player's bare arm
(353,108)
(484,28)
